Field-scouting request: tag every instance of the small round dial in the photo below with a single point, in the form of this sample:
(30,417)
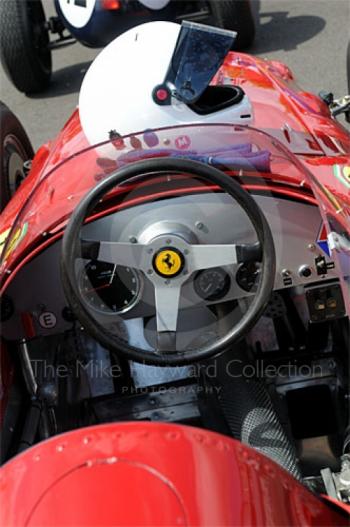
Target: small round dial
(110,288)
(212,284)
(247,276)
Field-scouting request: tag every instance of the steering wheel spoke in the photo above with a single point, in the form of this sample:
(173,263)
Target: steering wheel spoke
(166,342)
(219,255)
(117,253)
(208,256)
(249,252)
(167,300)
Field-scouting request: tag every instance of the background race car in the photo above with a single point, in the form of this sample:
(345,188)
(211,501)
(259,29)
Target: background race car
(25,44)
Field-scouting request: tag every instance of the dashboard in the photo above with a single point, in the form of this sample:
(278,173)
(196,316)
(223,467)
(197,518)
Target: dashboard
(115,293)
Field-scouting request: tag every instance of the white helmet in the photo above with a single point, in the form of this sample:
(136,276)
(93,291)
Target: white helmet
(157,75)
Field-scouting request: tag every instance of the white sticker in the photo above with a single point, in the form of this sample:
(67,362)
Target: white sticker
(47,320)
(77,12)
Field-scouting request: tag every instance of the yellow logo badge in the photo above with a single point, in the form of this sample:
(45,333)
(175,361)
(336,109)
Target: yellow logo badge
(168,262)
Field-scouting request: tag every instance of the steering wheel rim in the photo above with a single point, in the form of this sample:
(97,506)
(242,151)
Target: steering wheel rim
(160,165)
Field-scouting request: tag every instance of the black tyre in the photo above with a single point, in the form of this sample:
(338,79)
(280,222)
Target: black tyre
(24,44)
(15,149)
(235,15)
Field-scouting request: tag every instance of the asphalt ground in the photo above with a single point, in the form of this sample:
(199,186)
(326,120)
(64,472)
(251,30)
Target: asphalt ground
(309,35)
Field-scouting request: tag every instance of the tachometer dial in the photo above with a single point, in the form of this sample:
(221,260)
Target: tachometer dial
(110,288)
(212,284)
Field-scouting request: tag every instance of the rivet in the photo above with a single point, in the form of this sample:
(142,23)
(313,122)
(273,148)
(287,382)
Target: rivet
(286,485)
(270,471)
(172,435)
(111,460)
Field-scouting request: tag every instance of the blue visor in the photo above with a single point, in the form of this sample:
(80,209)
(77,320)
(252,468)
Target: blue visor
(199,52)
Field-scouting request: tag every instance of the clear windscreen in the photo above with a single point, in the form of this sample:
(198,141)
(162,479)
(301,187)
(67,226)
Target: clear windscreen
(257,160)
(179,210)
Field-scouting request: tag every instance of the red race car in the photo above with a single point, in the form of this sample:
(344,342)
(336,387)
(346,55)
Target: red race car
(175,296)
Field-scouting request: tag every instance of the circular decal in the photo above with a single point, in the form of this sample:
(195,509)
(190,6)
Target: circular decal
(135,143)
(150,138)
(77,12)
(47,320)
(183,142)
(168,262)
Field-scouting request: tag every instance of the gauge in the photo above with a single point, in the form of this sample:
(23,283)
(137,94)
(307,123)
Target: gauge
(212,284)
(247,276)
(107,287)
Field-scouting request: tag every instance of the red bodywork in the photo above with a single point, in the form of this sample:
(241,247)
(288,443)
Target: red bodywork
(148,474)
(153,474)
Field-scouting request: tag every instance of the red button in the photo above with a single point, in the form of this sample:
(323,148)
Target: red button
(162,94)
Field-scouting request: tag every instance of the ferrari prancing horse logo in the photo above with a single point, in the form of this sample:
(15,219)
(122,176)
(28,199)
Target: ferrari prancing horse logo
(168,262)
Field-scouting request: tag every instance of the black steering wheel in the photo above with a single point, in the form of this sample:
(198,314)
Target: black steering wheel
(186,259)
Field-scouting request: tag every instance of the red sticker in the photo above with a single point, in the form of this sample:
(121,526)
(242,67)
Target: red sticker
(118,143)
(183,142)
